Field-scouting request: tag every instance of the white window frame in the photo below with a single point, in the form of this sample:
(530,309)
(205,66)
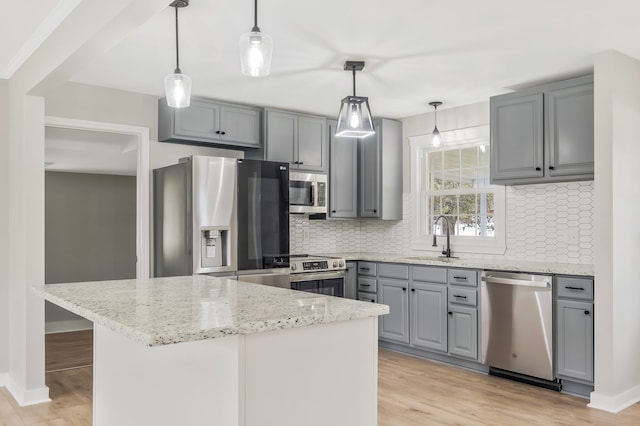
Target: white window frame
(423,238)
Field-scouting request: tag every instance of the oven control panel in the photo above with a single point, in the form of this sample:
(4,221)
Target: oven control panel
(318,265)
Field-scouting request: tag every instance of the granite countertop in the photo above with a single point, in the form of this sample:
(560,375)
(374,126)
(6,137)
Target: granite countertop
(161,311)
(501,265)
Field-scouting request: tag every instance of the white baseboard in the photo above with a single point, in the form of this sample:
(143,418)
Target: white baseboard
(68,325)
(4,379)
(25,397)
(615,403)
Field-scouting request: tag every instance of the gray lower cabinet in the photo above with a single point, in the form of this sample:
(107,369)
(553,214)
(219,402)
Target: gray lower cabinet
(574,329)
(207,121)
(543,134)
(429,316)
(351,281)
(365,179)
(298,139)
(431,308)
(395,325)
(463,331)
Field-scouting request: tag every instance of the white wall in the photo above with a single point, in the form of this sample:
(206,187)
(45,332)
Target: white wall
(4,225)
(89,30)
(617,149)
(546,222)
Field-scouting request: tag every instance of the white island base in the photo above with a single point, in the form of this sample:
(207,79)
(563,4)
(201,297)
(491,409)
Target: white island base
(324,374)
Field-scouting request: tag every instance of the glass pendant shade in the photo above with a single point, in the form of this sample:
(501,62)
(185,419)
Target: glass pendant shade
(436,139)
(255,53)
(177,87)
(354,118)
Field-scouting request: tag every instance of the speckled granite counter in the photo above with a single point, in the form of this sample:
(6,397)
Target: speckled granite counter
(243,354)
(501,265)
(162,311)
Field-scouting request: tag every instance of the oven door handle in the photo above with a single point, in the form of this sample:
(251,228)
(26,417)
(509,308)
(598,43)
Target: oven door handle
(312,276)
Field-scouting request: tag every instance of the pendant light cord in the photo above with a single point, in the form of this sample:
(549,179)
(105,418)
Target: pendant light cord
(255,28)
(353,69)
(177,45)
(435,116)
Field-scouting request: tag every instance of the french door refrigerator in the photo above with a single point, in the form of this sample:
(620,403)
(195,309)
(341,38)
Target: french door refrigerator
(215,215)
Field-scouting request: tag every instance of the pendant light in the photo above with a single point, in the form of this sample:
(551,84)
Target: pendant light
(255,50)
(436,139)
(177,86)
(354,118)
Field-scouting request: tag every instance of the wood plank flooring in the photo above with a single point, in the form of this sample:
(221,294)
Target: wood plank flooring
(411,391)
(68,350)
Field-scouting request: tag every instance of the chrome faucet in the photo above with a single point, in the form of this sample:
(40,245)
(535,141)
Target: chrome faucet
(446,252)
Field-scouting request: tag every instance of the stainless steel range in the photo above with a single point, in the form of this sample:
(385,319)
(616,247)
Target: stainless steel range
(318,274)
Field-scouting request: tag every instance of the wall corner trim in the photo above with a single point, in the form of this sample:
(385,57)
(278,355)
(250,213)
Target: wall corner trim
(615,403)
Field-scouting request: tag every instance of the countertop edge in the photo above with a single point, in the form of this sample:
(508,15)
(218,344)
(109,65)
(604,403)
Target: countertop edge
(489,264)
(367,310)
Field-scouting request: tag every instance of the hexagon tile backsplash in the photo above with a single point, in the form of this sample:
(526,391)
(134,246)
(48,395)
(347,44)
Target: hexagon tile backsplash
(546,223)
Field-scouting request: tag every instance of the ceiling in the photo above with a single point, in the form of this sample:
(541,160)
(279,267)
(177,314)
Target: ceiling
(458,51)
(416,51)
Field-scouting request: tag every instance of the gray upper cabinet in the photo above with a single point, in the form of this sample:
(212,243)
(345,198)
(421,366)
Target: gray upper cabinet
(298,139)
(207,121)
(569,117)
(369,194)
(343,175)
(366,174)
(516,137)
(543,134)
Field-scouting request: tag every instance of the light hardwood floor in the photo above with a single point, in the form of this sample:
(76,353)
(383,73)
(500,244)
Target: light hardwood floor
(412,391)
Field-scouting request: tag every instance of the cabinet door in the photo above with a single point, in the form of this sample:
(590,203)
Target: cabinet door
(351,281)
(369,202)
(240,125)
(343,175)
(463,332)
(395,325)
(575,340)
(197,121)
(312,144)
(281,136)
(429,316)
(516,137)
(569,118)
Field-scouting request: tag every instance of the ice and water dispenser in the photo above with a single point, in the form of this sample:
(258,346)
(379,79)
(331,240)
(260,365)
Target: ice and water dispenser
(214,246)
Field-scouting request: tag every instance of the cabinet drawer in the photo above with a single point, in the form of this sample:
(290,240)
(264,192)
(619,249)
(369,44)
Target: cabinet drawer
(430,274)
(368,297)
(390,270)
(367,284)
(367,268)
(575,288)
(463,277)
(463,296)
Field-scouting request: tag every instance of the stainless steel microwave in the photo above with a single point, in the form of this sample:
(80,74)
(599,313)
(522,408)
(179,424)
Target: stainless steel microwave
(307,193)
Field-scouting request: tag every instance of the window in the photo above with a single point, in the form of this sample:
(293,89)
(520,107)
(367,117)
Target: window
(451,184)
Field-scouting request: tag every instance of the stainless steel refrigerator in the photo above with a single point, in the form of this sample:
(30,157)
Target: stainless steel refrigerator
(215,215)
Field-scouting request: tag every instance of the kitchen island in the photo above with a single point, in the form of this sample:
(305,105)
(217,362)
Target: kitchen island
(201,350)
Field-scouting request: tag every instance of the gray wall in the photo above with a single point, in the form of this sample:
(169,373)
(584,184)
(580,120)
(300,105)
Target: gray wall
(4,223)
(90,230)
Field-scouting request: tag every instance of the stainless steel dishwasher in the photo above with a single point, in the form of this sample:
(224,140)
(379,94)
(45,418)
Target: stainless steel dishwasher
(516,318)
